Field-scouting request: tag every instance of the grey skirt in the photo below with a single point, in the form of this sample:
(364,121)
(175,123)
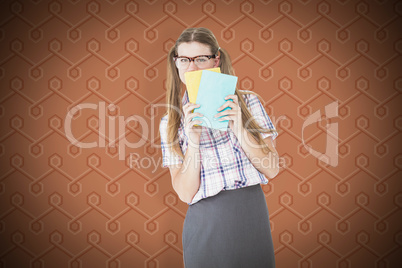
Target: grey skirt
(229,230)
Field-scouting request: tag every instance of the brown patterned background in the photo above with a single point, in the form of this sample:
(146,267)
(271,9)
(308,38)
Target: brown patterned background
(66,206)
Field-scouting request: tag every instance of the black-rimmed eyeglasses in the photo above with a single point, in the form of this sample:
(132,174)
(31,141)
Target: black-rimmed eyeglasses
(201,61)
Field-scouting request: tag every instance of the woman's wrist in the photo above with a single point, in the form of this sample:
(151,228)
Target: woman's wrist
(242,135)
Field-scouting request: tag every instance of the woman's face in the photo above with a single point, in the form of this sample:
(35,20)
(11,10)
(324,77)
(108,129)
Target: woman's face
(193,49)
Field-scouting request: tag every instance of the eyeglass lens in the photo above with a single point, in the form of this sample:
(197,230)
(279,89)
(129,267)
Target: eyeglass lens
(200,62)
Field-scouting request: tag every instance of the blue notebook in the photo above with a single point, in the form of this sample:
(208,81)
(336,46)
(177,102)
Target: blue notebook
(214,87)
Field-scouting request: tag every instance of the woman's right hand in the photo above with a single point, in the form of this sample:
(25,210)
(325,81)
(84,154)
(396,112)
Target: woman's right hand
(191,131)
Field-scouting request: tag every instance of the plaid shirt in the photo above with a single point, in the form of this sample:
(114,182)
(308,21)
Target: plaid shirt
(224,164)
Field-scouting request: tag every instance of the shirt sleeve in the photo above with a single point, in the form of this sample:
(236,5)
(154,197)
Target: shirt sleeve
(169,157)
(260,115)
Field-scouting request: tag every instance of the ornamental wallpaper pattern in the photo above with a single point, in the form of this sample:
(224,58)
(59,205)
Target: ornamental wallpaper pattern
(82,94)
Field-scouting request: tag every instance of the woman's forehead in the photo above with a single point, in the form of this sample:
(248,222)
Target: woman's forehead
(192,49)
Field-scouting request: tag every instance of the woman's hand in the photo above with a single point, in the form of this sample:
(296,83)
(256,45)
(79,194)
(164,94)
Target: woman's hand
(233,114)
(192,132)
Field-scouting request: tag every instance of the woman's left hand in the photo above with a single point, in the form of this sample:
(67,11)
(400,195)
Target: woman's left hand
(233,114)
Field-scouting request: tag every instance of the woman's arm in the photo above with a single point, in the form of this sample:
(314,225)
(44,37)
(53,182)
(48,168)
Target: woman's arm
(186,176)
(267,164)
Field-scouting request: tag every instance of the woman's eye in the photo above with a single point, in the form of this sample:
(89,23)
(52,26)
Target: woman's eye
(183,60)
(201,60)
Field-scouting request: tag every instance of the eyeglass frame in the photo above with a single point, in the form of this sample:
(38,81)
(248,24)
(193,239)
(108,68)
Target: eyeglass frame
(194,58)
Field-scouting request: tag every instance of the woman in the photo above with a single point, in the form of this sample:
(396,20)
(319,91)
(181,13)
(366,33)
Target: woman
(218,173)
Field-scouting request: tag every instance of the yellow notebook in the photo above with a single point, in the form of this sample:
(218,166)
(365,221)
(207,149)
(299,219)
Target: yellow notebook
(193,80)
